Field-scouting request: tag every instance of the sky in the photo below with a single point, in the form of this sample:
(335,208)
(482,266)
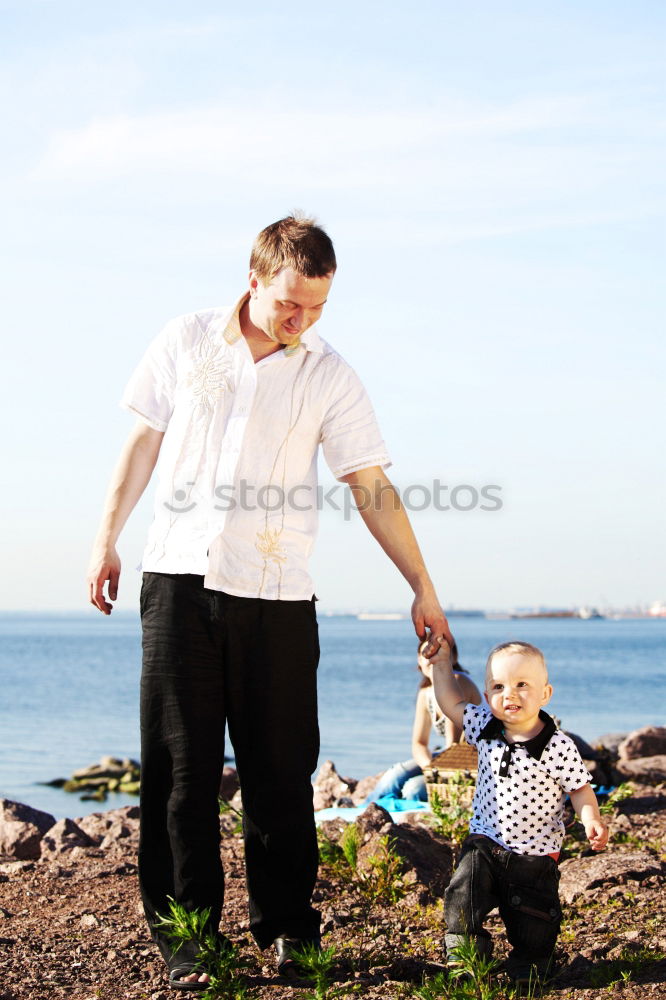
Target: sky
(492,175)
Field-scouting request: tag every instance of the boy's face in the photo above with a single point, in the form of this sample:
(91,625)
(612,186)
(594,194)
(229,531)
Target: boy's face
(516,689)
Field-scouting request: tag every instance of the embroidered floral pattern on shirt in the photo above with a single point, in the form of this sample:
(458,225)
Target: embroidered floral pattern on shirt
(211,374)
(268,543)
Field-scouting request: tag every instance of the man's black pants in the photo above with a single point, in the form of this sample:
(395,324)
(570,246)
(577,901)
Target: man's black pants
(210,657)
(524,887)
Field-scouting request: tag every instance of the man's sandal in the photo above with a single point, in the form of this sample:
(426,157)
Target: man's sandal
(183,963)
(286,953)
(177,978)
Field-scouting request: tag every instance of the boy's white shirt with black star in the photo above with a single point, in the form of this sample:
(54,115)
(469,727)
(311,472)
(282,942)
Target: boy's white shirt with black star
(521,787)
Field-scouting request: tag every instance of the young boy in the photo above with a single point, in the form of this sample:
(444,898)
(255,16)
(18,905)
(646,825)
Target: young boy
(526,768)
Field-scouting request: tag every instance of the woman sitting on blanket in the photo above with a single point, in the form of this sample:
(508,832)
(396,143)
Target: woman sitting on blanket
(405,780)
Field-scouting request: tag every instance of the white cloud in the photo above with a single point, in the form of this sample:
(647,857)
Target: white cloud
(224,139)
(481,170)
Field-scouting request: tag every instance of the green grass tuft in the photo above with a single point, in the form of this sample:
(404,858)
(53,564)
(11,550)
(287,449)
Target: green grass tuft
(350,842)
(452,820)
(222,963)
(316,965)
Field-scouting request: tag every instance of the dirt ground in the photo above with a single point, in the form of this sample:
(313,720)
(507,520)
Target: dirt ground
(71,927)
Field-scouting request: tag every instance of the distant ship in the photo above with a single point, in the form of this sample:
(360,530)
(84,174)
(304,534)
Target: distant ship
(543,614)
(583,613)
(380,616)
(586,613)
(397,616)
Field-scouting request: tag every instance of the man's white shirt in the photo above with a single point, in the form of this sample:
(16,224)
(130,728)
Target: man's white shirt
(237,497)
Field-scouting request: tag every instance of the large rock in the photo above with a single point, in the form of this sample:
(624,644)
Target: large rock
(650,741)
(364,787)
(648,770)
(21,830)
(426,860)
(611,741)
(578,875)
(329,787)
(115,824)
(64,836)
(108,767)
(375,820)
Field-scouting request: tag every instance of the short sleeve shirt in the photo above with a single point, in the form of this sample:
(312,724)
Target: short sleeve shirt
(237,495)
(519,797)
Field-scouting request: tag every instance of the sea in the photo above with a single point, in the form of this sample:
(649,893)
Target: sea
(69,689)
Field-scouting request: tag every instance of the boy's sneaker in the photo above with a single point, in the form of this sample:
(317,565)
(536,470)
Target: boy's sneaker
(530,980)
(457,963)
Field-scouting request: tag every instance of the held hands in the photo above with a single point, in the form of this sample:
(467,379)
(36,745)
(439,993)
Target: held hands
(438,666)
(427,614)
(104,565)
(441,657)
(596,832)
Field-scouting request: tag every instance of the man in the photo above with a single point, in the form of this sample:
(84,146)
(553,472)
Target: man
(236,402)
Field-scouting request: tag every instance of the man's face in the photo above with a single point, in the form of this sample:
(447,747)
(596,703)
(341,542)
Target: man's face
(516,688)
(289,304)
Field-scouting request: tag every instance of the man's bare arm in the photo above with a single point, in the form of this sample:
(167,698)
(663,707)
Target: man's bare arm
(130,478)
(445,686)
(381,508)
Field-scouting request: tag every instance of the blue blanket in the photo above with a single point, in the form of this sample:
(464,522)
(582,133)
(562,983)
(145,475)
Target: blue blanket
(388,802)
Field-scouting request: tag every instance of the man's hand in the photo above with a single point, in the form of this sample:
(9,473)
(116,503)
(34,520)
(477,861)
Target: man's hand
(130,478)
(103,566)
(442,657)
(427,613)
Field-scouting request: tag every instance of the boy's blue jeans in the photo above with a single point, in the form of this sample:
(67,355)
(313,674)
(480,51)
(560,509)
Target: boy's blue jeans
(523,887)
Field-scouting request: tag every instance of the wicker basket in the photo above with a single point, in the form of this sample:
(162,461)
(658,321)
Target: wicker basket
(443,777)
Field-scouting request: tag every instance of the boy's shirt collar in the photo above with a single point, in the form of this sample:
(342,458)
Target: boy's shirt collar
(494,730)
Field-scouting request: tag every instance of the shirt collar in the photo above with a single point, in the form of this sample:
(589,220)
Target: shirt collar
(232,331)
(493,730)
(310,340)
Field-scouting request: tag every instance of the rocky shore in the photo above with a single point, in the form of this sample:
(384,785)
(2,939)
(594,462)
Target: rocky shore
(71,925)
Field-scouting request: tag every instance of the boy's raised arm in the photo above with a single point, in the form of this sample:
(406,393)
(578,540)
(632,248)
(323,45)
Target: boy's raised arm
(447,692)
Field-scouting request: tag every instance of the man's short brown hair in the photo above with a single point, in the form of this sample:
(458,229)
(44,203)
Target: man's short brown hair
(296,242)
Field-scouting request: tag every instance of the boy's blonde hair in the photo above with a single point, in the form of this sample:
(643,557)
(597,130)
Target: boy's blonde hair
(522,649)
